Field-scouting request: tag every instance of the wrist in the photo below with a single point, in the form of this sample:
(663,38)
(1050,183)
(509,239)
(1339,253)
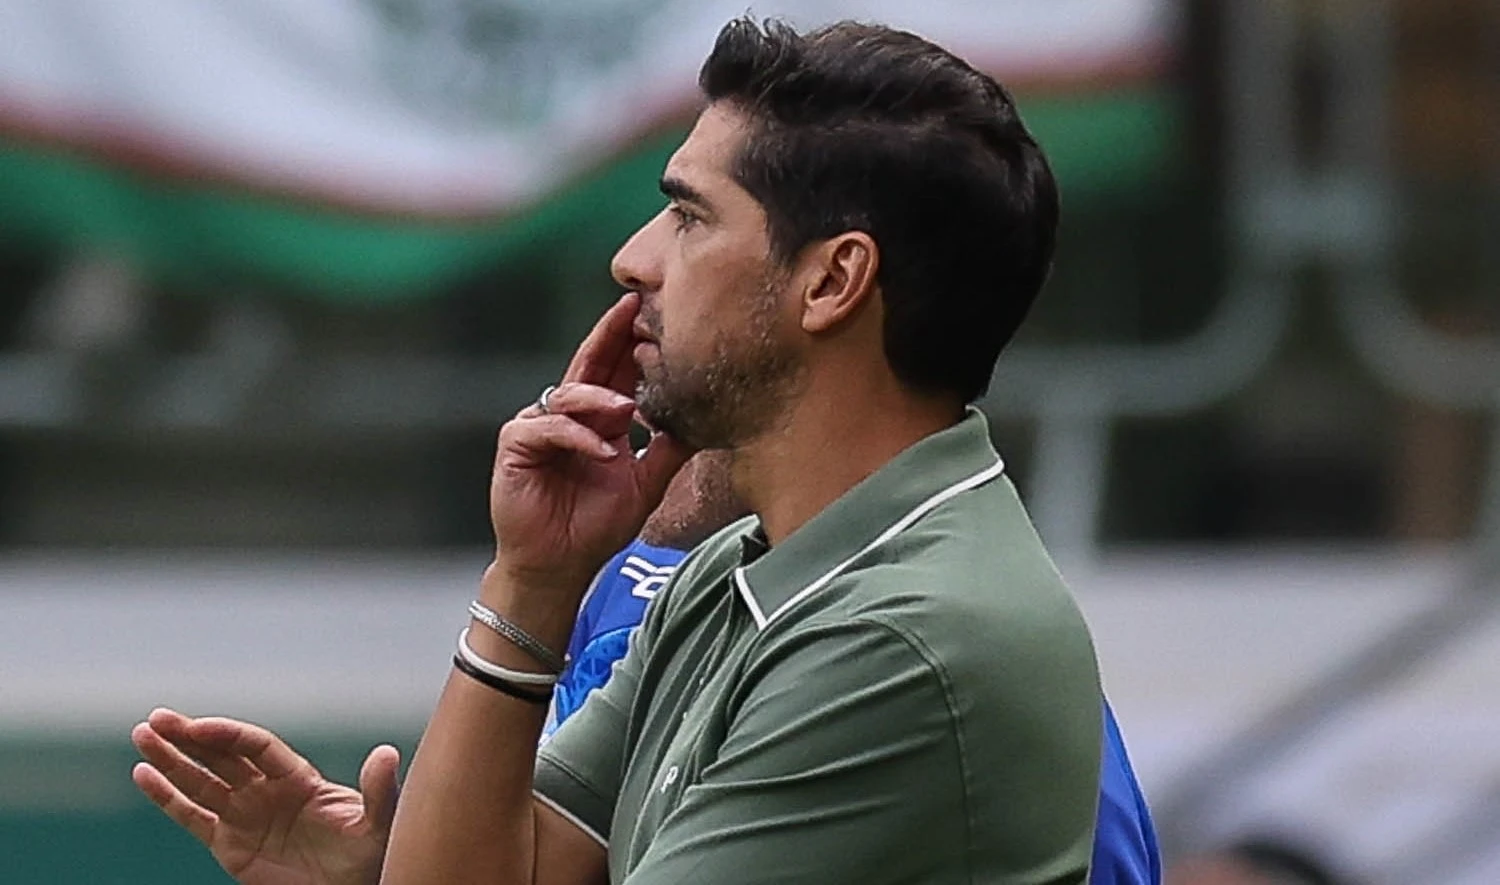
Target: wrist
(537,586)
(544,604)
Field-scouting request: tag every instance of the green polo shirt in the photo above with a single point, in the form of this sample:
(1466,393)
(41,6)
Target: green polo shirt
(901,691)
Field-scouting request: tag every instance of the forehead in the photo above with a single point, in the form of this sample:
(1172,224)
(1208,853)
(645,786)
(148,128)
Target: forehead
(708,154)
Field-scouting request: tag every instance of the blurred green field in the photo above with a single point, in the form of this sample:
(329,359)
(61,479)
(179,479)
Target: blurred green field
(69,814)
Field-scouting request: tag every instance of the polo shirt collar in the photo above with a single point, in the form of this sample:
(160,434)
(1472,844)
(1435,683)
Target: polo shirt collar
(880,507)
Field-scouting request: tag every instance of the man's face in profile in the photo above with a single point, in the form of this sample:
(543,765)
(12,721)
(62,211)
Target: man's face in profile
(716,339)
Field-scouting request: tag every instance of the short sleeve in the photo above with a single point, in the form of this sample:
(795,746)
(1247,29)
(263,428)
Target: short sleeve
(580,766)
(840,764)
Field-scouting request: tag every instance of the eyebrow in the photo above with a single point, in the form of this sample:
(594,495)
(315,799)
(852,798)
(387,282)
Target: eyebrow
(679,190)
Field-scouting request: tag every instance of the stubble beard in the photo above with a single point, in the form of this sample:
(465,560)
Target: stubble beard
(738,394)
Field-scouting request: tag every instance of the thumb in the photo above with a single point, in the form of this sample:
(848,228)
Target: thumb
(377,785)
(658,463)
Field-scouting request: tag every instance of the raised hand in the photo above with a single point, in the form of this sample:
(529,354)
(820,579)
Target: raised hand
(566,492)
(266,814)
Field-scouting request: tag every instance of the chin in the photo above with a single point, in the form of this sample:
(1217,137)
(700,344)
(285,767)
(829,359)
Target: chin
(660,420)
(663,418)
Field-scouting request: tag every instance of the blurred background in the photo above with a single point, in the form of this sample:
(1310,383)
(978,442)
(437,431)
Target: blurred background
(273,272)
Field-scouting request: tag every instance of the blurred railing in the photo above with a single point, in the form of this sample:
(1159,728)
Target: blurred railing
(1346,220)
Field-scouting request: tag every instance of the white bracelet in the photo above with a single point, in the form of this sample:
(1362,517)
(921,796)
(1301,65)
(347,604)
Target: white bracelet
(519,677)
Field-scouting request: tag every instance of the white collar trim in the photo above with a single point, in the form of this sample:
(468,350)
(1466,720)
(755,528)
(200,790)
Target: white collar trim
(901,525)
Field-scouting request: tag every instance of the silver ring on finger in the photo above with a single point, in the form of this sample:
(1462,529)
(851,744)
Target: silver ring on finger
(541,401)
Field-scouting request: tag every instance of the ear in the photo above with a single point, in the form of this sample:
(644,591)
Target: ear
(841,279)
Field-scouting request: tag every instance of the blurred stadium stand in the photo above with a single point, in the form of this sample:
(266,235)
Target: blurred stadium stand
(245,425)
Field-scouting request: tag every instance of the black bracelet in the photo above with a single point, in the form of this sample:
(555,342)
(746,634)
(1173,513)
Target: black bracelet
(504,686)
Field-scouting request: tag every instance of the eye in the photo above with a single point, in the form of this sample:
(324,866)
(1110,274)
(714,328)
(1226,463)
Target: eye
(685,219)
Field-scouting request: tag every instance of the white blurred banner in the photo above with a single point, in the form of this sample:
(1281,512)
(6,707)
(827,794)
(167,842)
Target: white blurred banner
(456,106)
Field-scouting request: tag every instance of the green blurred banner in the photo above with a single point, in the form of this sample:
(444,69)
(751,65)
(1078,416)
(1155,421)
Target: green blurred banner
(377,149)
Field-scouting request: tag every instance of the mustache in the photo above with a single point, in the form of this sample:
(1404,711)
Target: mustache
(650,317)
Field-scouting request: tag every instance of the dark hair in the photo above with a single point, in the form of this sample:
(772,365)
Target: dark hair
(862,127)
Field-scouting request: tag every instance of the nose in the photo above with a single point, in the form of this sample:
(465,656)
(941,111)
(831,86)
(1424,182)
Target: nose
(637,266)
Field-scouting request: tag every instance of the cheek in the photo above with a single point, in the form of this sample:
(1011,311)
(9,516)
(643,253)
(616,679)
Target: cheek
(690,297)
(710,283)
(684,326)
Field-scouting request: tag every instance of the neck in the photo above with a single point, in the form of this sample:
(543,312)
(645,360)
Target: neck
(829,442)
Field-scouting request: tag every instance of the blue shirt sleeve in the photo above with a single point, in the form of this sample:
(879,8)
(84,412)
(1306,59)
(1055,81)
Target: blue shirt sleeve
(613,608)
(1125,849)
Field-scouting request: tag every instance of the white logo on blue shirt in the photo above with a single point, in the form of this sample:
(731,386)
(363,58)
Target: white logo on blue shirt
(648,578)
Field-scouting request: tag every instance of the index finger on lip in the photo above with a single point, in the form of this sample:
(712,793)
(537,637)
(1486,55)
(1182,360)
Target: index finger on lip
(610,341)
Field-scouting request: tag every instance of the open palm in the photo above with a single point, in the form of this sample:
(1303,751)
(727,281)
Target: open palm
(266,814)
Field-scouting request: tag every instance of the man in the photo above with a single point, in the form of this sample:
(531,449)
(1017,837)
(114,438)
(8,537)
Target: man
(299,829)
(880,676)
